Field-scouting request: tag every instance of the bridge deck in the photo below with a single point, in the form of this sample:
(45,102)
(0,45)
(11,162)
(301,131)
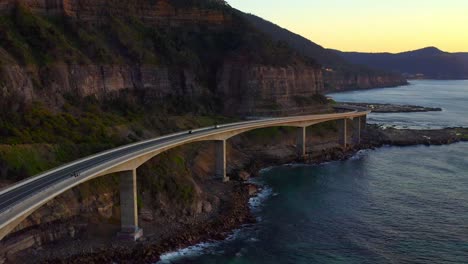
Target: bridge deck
(27,195)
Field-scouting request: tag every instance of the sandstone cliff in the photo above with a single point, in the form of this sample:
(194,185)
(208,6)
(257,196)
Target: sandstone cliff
(244,90)
(153,48)
(339,81)
(340,74)
(267,90)
(51,83)
(154,12)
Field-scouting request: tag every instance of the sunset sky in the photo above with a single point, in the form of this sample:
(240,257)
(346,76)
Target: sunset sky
(370,25)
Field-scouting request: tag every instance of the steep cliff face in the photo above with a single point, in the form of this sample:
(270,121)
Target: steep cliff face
(49,84)
(154,12)
(268,90)
(340,73)
(339,81)
(244,90)
(53,49)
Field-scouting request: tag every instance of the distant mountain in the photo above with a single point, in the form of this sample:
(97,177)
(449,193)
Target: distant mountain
(339,74)
(428,63)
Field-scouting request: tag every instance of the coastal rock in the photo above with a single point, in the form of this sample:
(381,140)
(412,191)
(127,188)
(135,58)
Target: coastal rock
(392,108)
(252,190)
(236,204)
(146,215)
(199,207)
(207,207)
(215,201)
(244,176)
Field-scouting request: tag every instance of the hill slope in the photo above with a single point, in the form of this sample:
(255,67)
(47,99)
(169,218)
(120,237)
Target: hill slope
(200,52)
(339,73)
(430,63)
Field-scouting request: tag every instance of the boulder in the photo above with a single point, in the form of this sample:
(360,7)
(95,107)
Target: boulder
(244,176)
(207,207)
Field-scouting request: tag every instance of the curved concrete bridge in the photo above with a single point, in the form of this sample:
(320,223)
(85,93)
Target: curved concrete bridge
(20,200)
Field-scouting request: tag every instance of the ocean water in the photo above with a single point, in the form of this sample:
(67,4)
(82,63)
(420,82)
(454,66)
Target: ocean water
(451,96)
(391,205)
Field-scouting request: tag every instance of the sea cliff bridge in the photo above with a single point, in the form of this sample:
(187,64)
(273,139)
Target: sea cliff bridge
(20,200)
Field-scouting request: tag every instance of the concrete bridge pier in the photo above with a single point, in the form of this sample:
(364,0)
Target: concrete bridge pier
(301,141)
(221,160)
(128,207)
(342,133)
(363,122)
(357,130)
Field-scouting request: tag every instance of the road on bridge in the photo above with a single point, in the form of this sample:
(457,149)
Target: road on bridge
(16,199)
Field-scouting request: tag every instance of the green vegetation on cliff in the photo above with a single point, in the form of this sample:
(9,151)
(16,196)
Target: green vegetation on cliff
(61,125)
(34,39)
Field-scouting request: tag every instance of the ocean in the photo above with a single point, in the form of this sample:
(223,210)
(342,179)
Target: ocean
(390,205)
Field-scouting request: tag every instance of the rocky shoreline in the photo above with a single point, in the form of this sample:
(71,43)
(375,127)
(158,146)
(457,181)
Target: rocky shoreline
(236,213)
(377,136)
(391,108)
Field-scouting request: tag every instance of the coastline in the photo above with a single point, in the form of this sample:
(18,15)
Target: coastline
(238,212)
(355,89)
(392,108)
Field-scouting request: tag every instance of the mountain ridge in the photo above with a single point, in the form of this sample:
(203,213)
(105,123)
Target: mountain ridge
(339,73)
(426,63)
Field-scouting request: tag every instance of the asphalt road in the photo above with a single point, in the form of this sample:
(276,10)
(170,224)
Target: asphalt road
(17,193)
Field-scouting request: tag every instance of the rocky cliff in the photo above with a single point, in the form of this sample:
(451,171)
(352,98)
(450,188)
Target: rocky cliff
(81,76)
(49,84)
(244,90)
(266,89)
(340,74)
(51,49)
(336,81)
(153,12)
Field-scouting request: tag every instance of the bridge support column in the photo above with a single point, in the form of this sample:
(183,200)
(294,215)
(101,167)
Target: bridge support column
(301,141)
(128,207)
(363,123)
(342,131)
(357,130)
(221,160)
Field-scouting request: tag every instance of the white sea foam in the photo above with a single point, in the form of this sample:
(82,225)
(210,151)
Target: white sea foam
(256,202)
(359,155)
(267,169)
(213,247)
(193,251)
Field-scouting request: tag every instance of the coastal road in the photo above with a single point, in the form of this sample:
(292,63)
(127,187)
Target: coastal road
(22,198)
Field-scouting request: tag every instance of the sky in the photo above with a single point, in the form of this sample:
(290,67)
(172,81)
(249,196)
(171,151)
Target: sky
(370,25)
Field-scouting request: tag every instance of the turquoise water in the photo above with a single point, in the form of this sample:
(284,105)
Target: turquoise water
(391,205)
